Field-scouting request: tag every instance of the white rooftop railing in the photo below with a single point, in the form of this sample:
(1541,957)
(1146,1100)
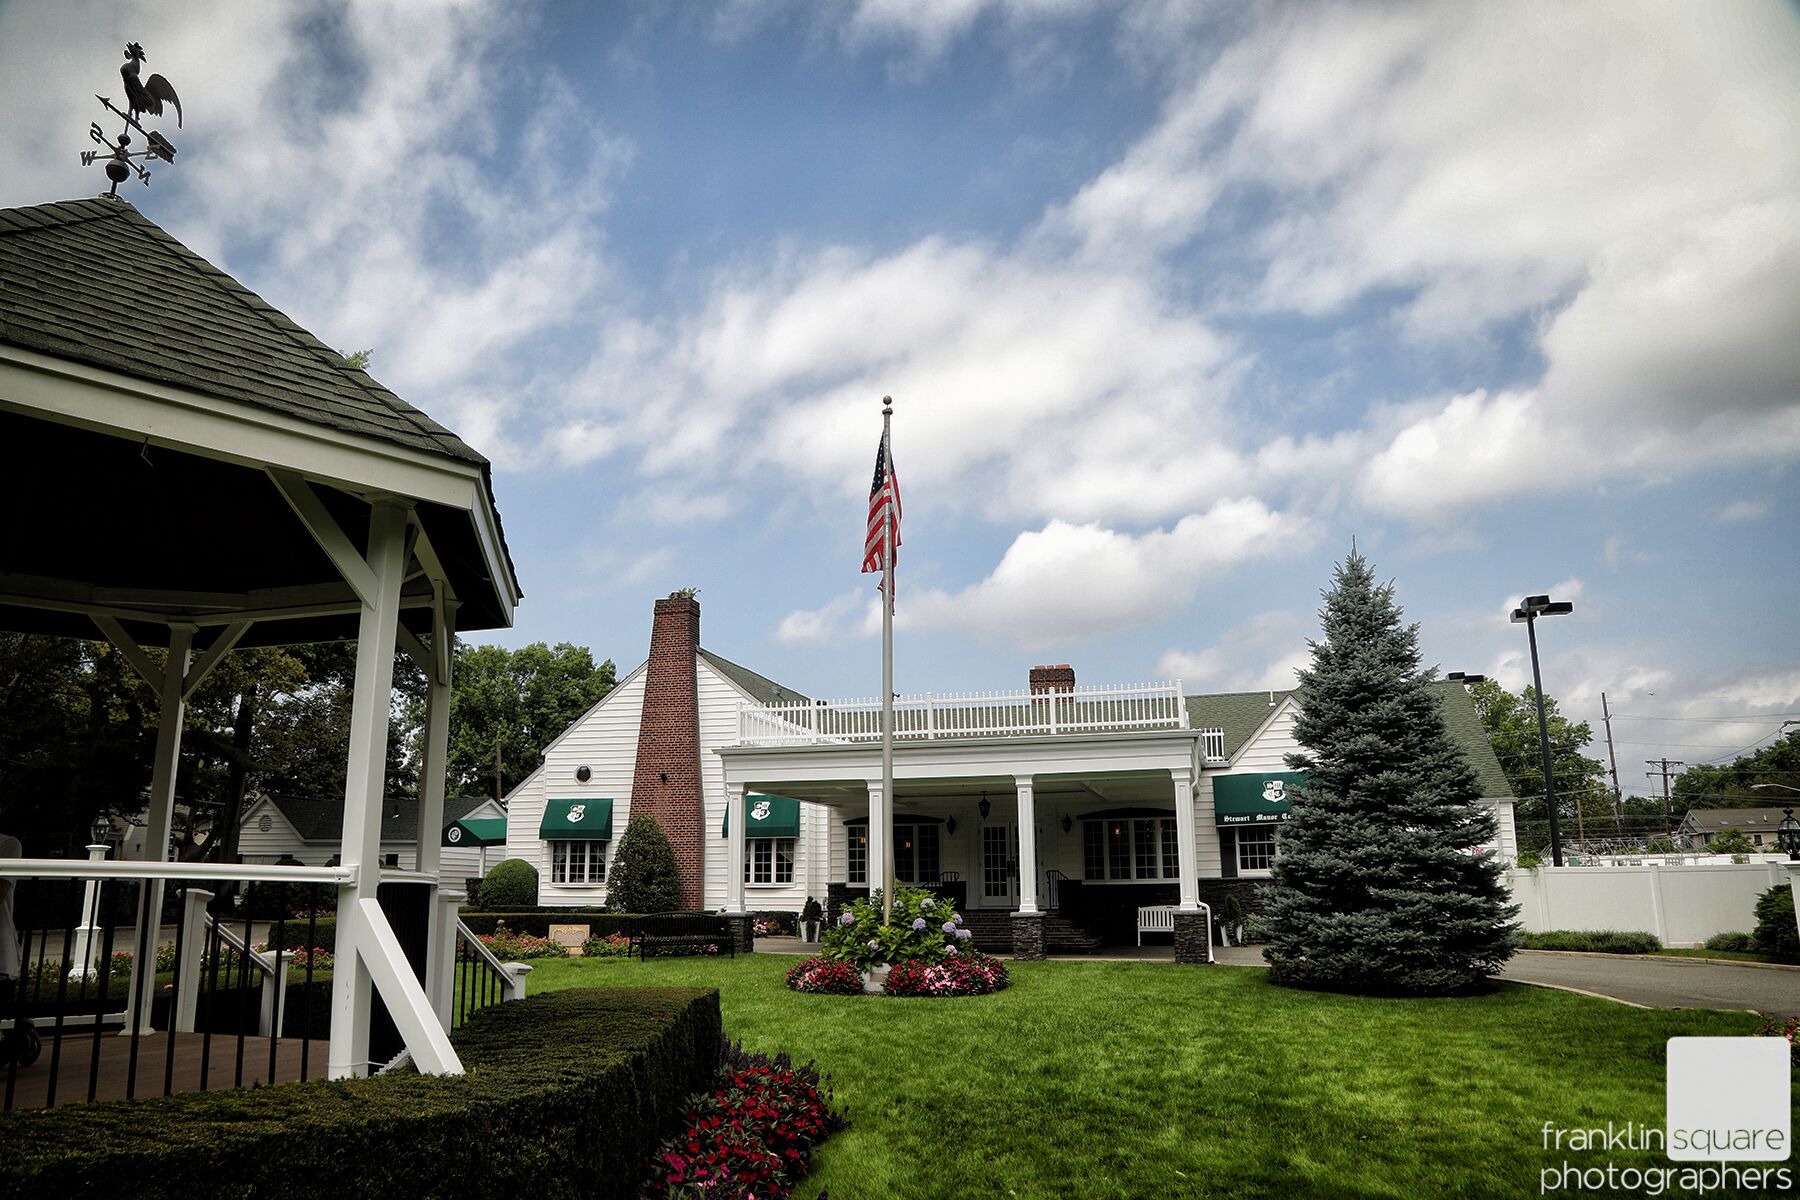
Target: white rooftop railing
(933,715)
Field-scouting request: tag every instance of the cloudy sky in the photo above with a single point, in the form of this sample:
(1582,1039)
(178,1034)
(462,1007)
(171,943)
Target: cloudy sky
(1175,300)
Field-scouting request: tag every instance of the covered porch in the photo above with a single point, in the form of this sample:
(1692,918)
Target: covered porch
(1046,843)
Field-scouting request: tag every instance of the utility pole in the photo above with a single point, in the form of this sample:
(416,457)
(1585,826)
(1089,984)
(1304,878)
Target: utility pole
(1618,796)
(1664,764)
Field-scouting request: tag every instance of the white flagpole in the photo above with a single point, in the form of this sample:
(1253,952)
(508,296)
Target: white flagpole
(887,665)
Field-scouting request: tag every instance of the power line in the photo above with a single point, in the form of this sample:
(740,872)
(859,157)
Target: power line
(1618,716)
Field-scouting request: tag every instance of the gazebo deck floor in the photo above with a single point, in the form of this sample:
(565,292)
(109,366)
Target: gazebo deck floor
(74,1066)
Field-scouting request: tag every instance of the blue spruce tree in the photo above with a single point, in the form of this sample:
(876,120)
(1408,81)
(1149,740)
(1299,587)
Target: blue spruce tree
(1378,888)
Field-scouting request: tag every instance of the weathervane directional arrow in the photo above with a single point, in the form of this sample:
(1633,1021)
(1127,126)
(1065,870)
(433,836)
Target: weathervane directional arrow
(141,96)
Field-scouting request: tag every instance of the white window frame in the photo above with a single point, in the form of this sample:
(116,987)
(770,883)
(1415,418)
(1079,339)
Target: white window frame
(593,855)
(772,864)
(1273,841)
(856,855)
(1125,870)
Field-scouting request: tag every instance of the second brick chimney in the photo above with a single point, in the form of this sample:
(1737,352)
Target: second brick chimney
(666,782)
(1059,678)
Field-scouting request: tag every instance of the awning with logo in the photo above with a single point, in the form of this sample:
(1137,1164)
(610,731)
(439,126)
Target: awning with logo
(1254,799)
(770,817)
(475,831)
(577,820)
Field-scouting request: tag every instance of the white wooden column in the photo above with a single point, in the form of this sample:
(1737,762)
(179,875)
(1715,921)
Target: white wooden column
(437,740)
(1186,844)
(1028,864)
(172,712)
(881,828)
(352,986)
(735,841)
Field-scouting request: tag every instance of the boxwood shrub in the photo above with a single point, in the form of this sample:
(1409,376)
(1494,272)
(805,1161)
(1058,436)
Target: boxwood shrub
(538,922)
(566,1095)
(1594,941)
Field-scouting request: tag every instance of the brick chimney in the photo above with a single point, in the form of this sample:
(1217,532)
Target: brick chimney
(1058,678)
(666,782)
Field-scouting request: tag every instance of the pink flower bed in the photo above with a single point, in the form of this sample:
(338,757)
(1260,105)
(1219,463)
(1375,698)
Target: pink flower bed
(825,977)
(970,973)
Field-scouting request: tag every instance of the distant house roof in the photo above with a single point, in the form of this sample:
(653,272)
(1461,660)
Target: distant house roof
(1241,714)
(1717,820)
(323,820)
(762,690)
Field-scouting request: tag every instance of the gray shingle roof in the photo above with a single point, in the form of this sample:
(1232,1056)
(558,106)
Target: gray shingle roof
(1716,820)
(1240,714)
(762,690)
(323,820)
(96,281)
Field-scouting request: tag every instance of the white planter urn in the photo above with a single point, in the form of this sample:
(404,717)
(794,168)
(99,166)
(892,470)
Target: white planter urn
(809,931)
(875,979)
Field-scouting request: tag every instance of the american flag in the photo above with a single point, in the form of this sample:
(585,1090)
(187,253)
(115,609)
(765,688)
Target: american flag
(883,492)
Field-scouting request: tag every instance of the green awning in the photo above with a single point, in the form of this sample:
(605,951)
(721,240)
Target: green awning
(577,821)
(475,831)
(770,816)
(1254,799)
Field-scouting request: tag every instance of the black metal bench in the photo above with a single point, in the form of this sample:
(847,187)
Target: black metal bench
(689,932)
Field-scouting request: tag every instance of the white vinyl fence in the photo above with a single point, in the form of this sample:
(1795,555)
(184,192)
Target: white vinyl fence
(1682,905)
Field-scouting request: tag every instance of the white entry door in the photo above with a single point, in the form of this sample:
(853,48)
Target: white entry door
(999,882)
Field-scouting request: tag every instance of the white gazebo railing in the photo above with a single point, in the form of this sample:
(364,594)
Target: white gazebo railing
(930,715)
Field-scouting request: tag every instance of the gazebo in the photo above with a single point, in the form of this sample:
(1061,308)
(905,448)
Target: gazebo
(189,469)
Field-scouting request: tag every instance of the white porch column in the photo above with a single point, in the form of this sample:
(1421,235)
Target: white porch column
(881,828)
(352,986)
(735,841)
(172,711)
(437,742)
(1028,864)
(1185,843)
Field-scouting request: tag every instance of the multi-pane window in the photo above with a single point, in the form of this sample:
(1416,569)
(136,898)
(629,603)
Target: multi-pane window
(769,860)
(1135,848)
(1255,849)
(577,862)
(916,853)
(859,855)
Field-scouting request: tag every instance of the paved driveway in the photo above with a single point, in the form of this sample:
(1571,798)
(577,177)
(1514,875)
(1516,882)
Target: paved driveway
(1651,982)
(1663,982)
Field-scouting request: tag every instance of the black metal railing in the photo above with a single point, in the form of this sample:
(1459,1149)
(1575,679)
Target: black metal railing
(481,979)
(1053,881)
(239,997)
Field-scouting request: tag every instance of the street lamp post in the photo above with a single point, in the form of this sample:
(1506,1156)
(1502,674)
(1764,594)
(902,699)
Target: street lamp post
(1527,615)
(83,955)
(1787,835)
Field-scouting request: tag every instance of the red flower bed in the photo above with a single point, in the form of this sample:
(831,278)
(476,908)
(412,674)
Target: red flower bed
(970,973)
(750,1137)
(825,977)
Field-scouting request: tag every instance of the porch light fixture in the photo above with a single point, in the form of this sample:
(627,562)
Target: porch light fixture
(1789,835)
(101,827)
(1527,614)
(1068,823)
(984,808)
(950,825)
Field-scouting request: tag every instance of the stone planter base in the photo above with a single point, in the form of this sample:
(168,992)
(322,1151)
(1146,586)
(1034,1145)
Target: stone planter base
(1192,939)
(875,980)
(1028,935)
(743,931)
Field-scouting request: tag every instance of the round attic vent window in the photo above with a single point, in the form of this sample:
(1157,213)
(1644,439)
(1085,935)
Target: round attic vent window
(583,773)
(267,823)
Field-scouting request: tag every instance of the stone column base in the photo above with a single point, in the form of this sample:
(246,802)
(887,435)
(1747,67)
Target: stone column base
(1192,938)
(1028,935)
(743,932)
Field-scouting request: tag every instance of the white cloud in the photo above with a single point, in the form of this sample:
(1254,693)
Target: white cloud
(1262,653)
(1742,510)
(844,616)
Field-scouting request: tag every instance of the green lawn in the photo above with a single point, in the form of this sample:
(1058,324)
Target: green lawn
(1149,1079)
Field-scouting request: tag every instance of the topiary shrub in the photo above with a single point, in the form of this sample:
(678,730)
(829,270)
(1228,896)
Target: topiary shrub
(510,884)
(644,876)
(1776,935)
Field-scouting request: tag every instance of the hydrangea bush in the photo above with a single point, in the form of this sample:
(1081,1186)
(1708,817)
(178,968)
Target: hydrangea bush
(922,928)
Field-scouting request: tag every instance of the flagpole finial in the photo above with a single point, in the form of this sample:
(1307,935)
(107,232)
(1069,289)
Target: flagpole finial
(887,406)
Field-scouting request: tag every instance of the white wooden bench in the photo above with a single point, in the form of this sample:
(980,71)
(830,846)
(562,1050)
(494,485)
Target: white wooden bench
(1160,918)
(1157,918)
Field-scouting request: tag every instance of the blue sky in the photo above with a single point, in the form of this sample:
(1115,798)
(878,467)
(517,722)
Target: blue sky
(1175,300)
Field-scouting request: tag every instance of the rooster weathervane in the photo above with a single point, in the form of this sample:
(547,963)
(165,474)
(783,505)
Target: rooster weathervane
(141,96)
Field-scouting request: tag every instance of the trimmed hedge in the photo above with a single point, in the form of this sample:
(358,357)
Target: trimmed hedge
(538,923)
(566,1094)
(1594,941)
(513,882)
